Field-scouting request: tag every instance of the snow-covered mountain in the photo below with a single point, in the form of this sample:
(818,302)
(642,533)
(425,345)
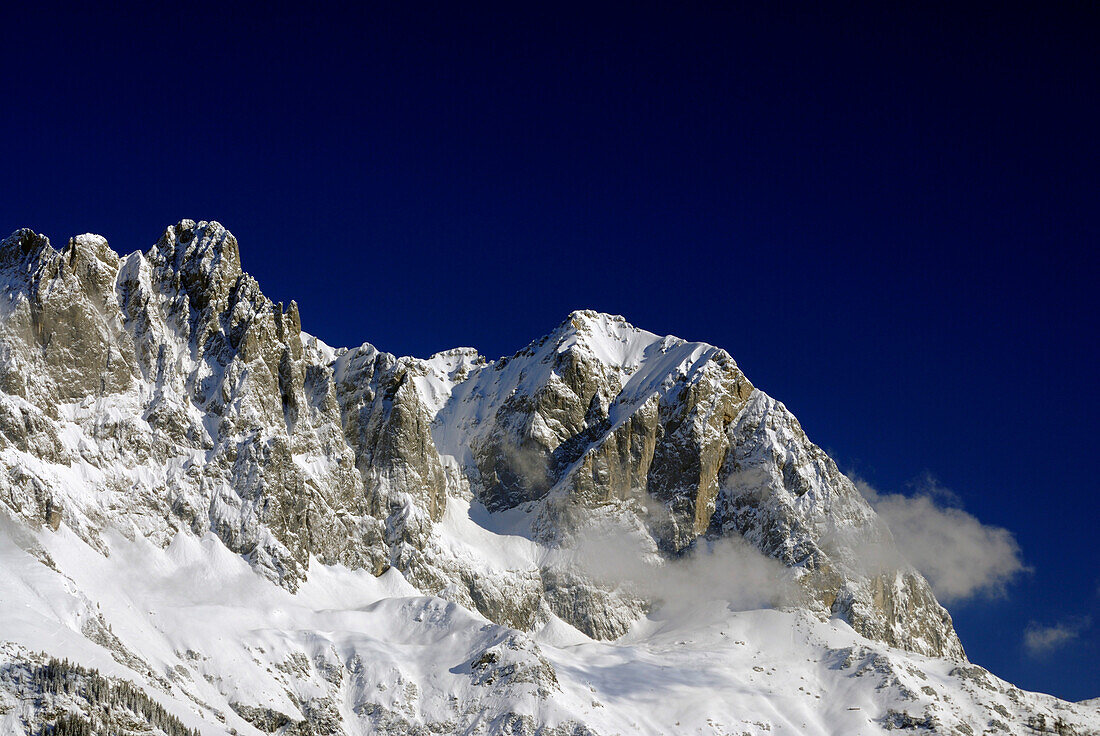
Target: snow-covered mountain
(608,532)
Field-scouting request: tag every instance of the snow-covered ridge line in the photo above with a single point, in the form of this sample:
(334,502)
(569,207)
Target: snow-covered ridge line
(351,454)
(162,400)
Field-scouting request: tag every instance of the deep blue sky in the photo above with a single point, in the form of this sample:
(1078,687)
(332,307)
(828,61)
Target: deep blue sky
(888,217)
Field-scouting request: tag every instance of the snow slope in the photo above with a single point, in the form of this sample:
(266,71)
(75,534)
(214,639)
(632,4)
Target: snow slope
(608,532)
(208,638)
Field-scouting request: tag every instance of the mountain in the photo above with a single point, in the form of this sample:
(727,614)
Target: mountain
(607,532)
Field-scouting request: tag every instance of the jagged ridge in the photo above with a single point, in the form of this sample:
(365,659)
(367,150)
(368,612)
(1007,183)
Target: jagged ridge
(192,402)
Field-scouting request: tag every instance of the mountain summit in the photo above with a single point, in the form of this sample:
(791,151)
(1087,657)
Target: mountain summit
(383,544)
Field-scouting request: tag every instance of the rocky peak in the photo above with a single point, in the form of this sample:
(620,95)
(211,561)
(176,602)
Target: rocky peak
(90,259)
(634,356)
(89,246)
(580,391)
(212,413)
(595,337)
(203,258)
(25,251)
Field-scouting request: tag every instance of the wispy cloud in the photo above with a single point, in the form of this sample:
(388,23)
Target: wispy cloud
(961,557)
(1040,639)
(729,569)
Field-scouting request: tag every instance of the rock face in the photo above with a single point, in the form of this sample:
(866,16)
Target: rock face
(162,391)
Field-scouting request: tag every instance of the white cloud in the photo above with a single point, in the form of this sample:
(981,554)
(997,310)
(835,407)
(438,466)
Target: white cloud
(1040,639)
(961,557)
(728,569)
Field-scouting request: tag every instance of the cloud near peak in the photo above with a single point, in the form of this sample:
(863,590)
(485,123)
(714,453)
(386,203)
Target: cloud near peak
(960,556)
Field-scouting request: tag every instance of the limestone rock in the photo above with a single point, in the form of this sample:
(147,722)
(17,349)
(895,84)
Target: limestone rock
(191,402)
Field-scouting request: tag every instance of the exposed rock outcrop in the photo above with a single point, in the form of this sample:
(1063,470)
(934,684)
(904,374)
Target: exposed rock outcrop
(162,391)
